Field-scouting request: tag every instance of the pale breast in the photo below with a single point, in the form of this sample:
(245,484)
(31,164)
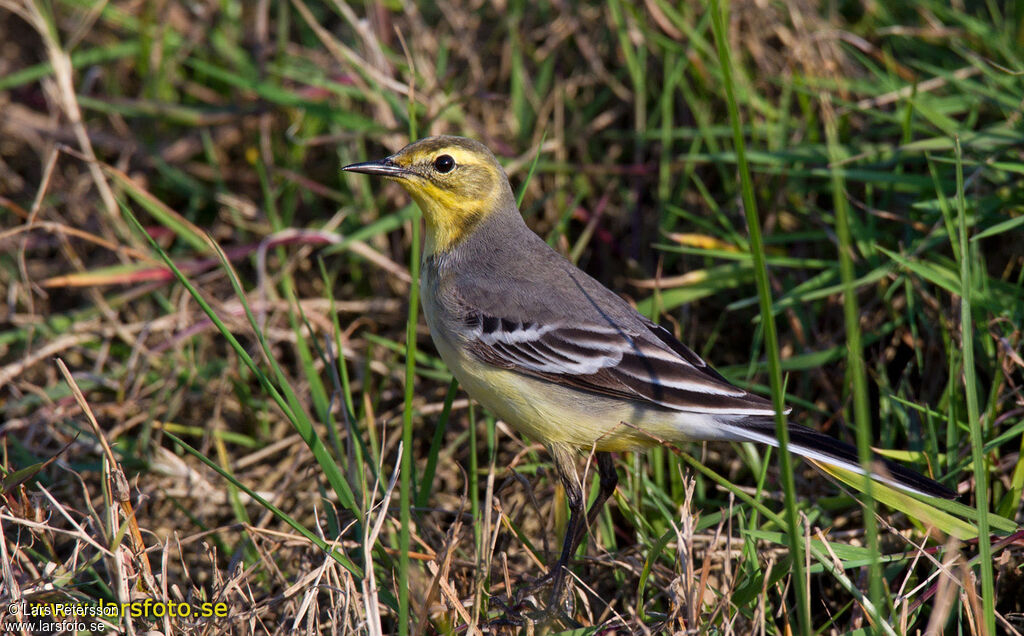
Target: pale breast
(541,410)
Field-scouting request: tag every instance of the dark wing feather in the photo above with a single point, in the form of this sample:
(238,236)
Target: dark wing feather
(604,359)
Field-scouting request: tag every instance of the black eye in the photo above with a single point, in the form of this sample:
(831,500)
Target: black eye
(444,164)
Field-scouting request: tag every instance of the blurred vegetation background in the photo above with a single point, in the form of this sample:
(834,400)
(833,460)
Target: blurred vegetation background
(247,451)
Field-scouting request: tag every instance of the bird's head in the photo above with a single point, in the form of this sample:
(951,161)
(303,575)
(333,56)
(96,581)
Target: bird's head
(457,183)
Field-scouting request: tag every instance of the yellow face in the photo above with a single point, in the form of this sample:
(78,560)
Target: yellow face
(457,182)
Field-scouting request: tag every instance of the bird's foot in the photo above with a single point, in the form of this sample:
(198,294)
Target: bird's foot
(530,588)
(527,614)
(523,606)
(525,601)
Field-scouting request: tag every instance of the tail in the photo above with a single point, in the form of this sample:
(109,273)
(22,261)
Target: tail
(819,447)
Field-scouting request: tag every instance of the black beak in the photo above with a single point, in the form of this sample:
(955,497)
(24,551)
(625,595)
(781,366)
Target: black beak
(383,167)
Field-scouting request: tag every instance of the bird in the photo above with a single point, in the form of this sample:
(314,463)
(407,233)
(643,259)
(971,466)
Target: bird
(560,357)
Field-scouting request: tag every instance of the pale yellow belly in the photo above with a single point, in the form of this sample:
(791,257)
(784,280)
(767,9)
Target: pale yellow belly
(550,413)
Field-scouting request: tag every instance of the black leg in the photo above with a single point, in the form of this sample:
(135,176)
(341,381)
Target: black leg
(565,465)
(609,478)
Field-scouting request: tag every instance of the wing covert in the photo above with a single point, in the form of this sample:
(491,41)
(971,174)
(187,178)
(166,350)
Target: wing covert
(605,359)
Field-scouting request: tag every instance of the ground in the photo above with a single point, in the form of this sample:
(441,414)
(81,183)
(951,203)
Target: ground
(238,441)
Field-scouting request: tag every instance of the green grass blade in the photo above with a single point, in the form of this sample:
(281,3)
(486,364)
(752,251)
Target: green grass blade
(854,351)
(407,481)
(343,560)
(768,319)
(973,415)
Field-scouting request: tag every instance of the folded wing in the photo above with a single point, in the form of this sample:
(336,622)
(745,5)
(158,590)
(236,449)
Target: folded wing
(649,367)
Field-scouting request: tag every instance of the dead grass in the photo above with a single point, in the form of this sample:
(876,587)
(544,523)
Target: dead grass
(232,120)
